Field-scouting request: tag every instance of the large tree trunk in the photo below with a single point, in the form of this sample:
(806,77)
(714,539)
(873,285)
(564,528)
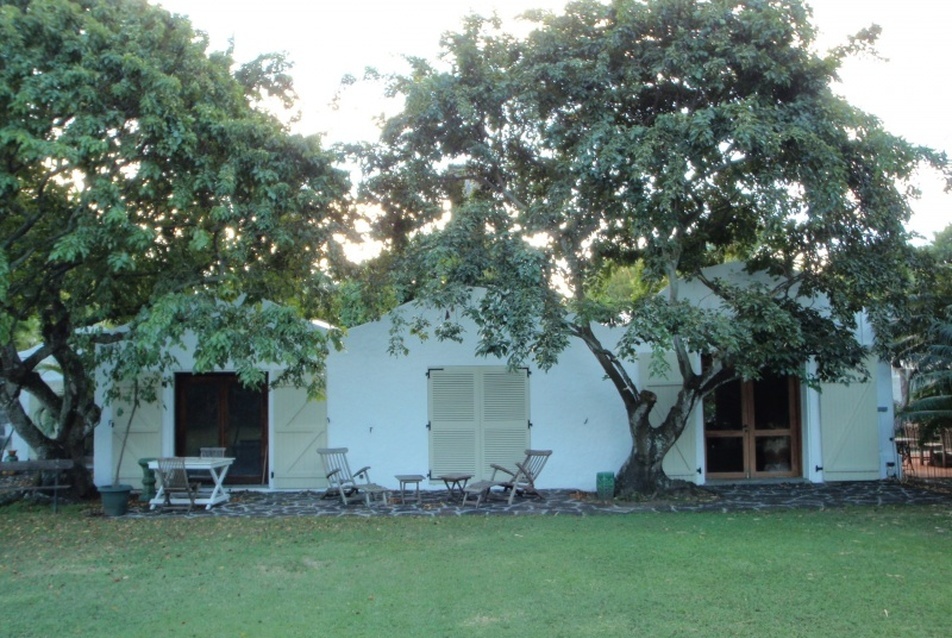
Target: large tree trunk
(642,473)
(71,445)
(72,412)
(80,478)
(640,477)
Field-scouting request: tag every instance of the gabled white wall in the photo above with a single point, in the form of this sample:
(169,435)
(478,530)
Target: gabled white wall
(107,446)
(377,407)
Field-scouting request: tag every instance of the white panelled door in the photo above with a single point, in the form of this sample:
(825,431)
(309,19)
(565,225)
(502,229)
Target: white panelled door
(300,427)
(850,430)
(478,416)
(145,434)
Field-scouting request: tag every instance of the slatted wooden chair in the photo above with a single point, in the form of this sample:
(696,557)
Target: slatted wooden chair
(349,486)
(175,483)
(521,480)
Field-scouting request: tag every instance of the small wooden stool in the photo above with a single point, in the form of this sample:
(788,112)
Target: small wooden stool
(406,479)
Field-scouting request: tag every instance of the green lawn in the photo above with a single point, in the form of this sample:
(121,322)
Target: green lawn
(852,572)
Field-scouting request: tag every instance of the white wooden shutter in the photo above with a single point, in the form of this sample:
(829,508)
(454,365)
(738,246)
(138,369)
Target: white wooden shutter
(452,398)
(849,430)
(505,418)
(300,427)
(145,435)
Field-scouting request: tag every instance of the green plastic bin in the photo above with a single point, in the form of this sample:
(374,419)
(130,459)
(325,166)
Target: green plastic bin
(605,484)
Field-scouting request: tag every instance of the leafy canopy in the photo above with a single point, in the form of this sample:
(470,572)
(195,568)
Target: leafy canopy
(671,135)
(140,187)
(923,345)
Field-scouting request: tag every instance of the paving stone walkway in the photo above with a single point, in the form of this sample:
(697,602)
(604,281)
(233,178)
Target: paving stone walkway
(717,498)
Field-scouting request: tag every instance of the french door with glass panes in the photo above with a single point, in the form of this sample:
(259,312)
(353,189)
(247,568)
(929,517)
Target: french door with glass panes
(752,429)
(216,410)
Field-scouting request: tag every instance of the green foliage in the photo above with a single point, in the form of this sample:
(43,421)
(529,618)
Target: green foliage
(140,186)
(931,382)
(663,136)
(616,288)
(919,337)
(936,272)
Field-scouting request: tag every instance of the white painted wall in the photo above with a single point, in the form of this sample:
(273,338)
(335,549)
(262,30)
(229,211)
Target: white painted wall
(377,407)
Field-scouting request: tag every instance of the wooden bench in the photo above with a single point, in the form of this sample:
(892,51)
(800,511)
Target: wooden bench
(37,467)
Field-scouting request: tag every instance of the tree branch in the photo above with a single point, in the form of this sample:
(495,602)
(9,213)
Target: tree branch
(613,367)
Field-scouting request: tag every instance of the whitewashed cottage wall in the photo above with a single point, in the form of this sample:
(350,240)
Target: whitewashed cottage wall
(377,407)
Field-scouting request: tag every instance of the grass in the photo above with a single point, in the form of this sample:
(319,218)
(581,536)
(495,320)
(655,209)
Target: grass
(857,572)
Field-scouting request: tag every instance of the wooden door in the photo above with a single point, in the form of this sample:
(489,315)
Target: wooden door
(216,410)
(752,429)
(300,428)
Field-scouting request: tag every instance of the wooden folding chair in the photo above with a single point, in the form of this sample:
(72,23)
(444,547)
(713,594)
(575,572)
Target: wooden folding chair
(175,484)
(344,483)
(521,480)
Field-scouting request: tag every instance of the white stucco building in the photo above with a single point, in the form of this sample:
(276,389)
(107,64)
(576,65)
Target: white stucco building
(441,409)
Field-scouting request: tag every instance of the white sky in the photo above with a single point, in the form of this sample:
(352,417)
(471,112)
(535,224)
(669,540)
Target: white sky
(326,39)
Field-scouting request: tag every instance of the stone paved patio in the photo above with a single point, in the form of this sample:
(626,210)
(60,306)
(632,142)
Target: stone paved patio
(718,498)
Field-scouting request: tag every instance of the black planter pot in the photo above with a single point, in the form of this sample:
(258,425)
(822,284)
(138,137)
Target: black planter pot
(115,499)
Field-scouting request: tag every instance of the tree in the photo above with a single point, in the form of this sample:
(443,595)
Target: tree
(674,134)
(142,195)
(924,344)
(912,336)
(931,383)
(938,278)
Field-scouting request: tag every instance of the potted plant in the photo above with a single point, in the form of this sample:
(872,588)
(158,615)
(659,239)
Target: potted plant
(115,497)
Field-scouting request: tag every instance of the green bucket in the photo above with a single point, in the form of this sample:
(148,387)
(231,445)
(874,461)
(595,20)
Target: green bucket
(605,484)
(115,499)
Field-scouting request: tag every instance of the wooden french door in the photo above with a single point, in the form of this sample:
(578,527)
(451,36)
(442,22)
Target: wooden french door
(216,410)
(752,429)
